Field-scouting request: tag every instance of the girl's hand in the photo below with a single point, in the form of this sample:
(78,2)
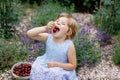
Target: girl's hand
(52,64)
(50,25)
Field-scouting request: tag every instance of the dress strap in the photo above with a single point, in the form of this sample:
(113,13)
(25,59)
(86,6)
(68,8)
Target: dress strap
(49,38)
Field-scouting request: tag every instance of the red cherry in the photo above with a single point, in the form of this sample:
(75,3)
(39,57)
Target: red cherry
(56,29)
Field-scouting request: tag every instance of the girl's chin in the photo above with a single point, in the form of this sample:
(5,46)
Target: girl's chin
(54,33)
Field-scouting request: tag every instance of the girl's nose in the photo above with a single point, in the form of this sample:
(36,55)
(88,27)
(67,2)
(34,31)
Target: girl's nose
(57,23)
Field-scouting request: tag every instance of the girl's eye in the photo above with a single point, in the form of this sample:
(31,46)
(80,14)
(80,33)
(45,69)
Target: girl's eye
(63,23)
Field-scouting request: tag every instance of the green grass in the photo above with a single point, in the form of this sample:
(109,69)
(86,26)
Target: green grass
(116,52)
(10,53)
(48,12)
(87,53)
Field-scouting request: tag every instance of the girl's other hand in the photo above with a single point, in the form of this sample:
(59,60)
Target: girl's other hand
(52,64)
(50,25)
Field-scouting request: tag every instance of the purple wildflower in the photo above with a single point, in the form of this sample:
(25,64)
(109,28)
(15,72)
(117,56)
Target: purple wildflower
(87,57)
(84,48)
(82,63)
(33,48)
(31,59)
(81,52)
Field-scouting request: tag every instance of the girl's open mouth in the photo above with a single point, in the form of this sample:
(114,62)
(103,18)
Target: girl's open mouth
(56,29)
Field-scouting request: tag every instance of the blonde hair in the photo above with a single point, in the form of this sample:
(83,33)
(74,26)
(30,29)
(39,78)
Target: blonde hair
(72,24)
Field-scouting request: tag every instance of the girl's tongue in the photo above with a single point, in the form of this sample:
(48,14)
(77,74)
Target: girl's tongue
(56,29)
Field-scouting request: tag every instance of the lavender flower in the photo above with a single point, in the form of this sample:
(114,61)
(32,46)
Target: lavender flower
(87,57)
(31,59)
(82,63)
(81,52)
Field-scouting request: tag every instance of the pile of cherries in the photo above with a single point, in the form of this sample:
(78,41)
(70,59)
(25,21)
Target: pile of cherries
(22,70)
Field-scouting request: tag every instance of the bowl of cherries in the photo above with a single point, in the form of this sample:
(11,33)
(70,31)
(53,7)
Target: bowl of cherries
(21,70)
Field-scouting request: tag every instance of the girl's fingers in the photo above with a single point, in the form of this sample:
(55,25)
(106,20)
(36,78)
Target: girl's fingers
(51,24)
(50,64)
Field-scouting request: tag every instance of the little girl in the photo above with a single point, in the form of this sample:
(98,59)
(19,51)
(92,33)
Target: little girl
(59,60)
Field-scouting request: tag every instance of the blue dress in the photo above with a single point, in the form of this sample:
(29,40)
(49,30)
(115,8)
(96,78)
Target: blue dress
(54,52)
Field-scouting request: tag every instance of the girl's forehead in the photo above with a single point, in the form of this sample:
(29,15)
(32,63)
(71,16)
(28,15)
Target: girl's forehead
(63,19)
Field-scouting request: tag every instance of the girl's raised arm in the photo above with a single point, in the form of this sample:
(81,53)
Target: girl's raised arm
(38,33)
